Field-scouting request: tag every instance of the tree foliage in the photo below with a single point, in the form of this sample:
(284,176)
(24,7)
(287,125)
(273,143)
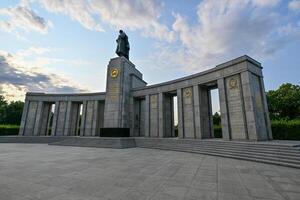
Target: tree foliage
(284,103)
(217,118)
(10,113)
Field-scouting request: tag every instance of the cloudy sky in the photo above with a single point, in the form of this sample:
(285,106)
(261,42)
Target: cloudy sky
(65,45)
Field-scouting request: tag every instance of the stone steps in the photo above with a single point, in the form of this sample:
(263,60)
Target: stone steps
(267,153)
(99,142)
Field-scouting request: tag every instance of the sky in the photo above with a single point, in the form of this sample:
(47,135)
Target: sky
(64,46)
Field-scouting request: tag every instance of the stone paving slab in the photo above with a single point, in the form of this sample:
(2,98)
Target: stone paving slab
(41,171)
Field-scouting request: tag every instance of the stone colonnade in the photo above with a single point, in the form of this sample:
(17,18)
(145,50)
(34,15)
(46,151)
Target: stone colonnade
(148,110)
(243,105)
(62,114)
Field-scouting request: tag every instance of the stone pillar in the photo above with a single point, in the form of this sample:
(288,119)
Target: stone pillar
(45,118)
(154,116)
(236,111)
(24,117)
(142,117)
(224,110)
(95,124)
(254,107)
(180,114)
(67,119)
(88,122)
(266,109)
(188,113)
(38,119)
(135,117)
(147,116)
(61,118)
(30,119)
(161,118)
(197,111)
(74,118)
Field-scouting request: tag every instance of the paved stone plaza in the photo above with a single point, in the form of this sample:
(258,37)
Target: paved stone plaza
(40,171)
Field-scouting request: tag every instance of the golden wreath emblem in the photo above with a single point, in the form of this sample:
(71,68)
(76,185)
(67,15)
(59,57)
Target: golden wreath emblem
(188,92)
(114,73)
(232,83)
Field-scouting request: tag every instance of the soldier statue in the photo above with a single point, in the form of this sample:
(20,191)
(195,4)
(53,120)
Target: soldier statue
(122,45)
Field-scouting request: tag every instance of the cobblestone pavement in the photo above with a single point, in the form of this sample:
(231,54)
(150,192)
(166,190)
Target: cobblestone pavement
(39,171)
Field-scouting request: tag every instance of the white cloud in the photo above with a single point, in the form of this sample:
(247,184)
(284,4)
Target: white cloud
(266,2)
(294,5)
(225,30)
(78,10)
(133,14)
(17,78)
(119,14)
(22,17)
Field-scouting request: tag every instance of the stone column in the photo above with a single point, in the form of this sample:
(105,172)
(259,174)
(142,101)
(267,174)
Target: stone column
(135,117)
(224,110)
(161,115)
(142,117)
(147,116)
(38,119)
(255,111)
(188,113)
(74,117)
(88,123)
(95,124)
(266,109)
(30,119)
(249,106)
(61,118)
(45,118)
(24,118)
(180,114)
(154,116)
(197,111)
(68,119)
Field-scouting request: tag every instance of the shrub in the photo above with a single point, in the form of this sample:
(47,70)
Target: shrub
(7,129)
(286,129)
(217,131)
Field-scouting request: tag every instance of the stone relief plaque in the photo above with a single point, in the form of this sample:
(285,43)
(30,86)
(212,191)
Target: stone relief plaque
(114,73)
(187,92)
(233,83)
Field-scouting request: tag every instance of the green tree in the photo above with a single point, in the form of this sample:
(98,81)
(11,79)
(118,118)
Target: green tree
(14,112)
(217,118)
(3,105)
(10,113)
(284,103)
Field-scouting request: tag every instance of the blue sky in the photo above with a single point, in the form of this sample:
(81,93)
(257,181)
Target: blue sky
(65,46)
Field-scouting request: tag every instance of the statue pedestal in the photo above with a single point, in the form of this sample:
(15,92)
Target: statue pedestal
(122,76)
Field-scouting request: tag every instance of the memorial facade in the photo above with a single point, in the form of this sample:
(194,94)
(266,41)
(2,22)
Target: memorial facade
(131,107)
